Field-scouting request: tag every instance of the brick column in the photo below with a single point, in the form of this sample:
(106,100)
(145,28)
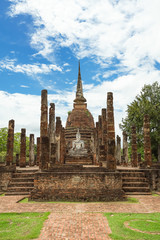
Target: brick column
(44,152)
(38,151)
(58,125)
(125,149)
(31,150)
(147,142)
(60,140)
(10,143)
(96,144)
(17,159)
(134,148)
(51,132)
(53,154)
(104,127)
(44,142)
(44,114)
(100,129)
(139,159)
(118,151)
(22,161)
(62,146)
(111,161)
(52,123)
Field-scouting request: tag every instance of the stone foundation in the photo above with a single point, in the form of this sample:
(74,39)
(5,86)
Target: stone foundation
(64,185)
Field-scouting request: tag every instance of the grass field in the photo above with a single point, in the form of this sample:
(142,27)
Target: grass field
(140,226)
(21,226)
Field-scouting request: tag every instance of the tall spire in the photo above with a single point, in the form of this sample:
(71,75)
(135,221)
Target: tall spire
(79,92)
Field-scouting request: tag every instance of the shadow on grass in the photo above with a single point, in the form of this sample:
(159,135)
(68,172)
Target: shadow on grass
(129,200)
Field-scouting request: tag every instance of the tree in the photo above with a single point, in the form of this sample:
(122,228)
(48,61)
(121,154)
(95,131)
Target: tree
(3,139)
(147,102)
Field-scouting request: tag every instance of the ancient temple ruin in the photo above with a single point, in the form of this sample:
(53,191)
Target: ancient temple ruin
(79,162)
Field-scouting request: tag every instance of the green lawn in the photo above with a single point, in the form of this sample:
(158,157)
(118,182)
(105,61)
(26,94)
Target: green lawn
(21,226)
(148,222)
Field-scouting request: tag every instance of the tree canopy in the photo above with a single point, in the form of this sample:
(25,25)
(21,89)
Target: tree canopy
(147,102)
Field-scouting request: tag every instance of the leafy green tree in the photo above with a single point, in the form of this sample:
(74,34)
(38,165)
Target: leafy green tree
(147,102)
(3,139)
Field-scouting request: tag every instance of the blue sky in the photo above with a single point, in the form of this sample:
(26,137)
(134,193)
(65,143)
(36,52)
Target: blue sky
(41,41)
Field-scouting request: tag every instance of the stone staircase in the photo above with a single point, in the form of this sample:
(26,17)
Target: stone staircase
(134,182)
(22,183)
(69,160)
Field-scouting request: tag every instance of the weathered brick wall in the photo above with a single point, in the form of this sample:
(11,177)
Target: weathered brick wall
(77,186)
(153,178)
(5,176)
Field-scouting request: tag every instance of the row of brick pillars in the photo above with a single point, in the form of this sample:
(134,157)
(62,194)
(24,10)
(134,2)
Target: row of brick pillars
(20,158)
(105,136)
(52,139)
(136,158)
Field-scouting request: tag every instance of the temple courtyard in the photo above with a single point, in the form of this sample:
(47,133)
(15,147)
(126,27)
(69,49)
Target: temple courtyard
(73,221)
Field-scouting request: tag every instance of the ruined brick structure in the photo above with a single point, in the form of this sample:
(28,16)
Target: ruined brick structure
(10,143)
(31,150)
(134,160)
(22,160)
(111,160)
(125,149)
(79,118)
(65,155)
(64,152)
(147,142)
(38,151)
(118,151)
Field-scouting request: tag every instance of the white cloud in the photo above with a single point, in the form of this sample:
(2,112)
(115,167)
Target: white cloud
(24,86)
(128,30)
(65,64)
(29,69)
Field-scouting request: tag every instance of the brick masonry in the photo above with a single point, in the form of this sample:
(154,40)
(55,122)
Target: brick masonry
(22,160)
(134,161)
(10,143)
(78,186)
(147,142)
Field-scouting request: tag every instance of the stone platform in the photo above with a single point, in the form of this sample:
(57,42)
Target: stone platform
(77,183)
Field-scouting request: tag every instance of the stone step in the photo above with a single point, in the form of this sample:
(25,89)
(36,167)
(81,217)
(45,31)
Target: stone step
(136,189)
(27,170)
(78,163)
(78,160)
(22,180)
(134,179)
(17,193)
(135,184)
(138,193)
(19,189)
(23,175)
(130,170)
(21,184)
(133,174)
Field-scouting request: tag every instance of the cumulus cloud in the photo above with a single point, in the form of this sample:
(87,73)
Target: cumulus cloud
(127,30)
(29,69)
